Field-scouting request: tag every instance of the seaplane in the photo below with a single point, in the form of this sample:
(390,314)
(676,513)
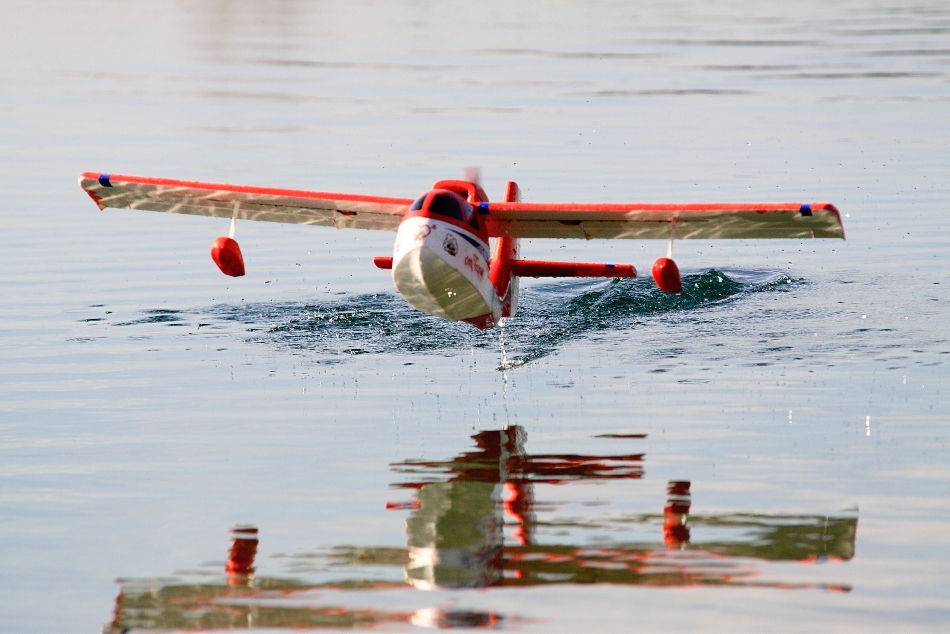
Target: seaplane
(443,263)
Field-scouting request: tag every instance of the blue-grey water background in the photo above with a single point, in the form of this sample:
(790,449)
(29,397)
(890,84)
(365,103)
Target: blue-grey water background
(148,404)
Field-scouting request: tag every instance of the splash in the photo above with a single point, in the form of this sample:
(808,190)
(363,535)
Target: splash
(550,315)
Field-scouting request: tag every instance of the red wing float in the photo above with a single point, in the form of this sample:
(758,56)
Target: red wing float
(442,263)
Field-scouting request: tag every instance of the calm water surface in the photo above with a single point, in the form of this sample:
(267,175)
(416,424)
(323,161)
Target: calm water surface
(298,448)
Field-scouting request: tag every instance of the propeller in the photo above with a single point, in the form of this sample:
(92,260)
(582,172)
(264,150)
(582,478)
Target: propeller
(473,174)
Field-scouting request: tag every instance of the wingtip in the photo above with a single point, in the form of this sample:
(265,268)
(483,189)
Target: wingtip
(91,176)
(832,209)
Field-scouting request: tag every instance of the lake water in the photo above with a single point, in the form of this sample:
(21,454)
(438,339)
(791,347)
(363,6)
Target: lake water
(298,448)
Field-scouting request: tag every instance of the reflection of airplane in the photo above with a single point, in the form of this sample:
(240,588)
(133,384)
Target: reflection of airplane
(243,601)
(468,492)
(456,538)
(441,262)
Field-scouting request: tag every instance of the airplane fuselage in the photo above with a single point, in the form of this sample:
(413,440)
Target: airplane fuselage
(442,264)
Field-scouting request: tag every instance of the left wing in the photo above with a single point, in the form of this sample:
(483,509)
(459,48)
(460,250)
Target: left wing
(653,220)
(246,203)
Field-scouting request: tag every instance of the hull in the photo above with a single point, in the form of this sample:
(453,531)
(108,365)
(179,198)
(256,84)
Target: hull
(442,270)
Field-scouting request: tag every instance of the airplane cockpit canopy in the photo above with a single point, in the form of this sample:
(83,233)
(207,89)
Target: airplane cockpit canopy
(447,204)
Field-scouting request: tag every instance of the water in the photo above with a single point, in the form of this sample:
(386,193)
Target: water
(768,450)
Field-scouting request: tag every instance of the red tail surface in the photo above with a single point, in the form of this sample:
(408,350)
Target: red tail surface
(503,256)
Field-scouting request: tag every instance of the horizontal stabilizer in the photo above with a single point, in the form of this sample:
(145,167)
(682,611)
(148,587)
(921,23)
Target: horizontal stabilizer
(540,268)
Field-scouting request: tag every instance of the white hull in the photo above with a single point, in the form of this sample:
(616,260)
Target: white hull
(439,270)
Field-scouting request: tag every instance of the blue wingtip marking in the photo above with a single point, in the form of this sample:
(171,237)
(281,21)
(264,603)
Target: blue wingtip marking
(805,209)
(104,180)
(483,206)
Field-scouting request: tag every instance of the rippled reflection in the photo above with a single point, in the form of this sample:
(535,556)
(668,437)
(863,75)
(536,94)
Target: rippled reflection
(473,523)
(456,536)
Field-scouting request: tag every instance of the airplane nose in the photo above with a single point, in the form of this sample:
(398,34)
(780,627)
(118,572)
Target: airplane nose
(432,285)
(440,271)
(409,275)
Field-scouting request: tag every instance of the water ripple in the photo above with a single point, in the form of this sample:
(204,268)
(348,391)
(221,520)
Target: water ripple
(549,316)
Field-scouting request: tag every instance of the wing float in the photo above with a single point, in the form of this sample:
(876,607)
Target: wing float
(441,263)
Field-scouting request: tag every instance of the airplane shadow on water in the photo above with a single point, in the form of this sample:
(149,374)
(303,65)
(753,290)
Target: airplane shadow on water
(473,521)
(548,315)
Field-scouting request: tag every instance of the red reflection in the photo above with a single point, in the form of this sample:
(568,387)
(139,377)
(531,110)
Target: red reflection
(500,457)
(473,522)
(519,505)
(675,514)
(240,566)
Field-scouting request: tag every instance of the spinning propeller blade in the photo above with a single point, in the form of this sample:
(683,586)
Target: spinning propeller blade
(473,174)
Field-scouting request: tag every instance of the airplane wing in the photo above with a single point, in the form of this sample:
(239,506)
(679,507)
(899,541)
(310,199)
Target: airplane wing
(650,220)
(252,203)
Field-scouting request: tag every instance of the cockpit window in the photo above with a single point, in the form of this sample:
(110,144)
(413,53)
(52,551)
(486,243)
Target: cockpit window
(446,206)
(417,203)
(467,211)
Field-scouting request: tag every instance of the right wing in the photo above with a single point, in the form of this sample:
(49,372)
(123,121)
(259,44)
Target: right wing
(247,203)
(699,221)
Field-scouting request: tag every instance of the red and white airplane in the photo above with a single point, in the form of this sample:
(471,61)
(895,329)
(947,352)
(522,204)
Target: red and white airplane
(442,263)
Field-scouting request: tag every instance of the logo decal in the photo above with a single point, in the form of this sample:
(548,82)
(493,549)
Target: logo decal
(475,266)
(423,232)
(450,245)
(472,241)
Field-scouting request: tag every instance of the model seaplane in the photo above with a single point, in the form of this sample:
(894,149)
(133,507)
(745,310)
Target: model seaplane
(442,263)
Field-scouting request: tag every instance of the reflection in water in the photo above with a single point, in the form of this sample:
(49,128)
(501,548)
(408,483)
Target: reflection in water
(460,519)
(675,514)
(240,566)
(455,536)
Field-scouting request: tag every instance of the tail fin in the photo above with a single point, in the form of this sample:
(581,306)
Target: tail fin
(502,277)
